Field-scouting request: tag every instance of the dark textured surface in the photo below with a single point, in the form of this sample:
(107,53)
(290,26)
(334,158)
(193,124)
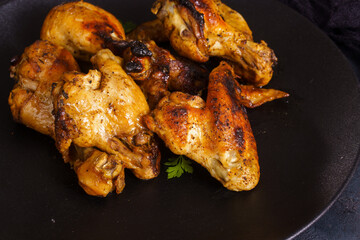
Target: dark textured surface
(340,20)
(307,148)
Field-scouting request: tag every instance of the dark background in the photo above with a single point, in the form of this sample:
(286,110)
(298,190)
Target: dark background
(340,20)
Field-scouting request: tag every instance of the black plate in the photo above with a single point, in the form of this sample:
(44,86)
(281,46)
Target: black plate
(308,146)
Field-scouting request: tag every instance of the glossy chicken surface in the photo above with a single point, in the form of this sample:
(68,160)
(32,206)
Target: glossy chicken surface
(82,28)
(215,133)
(37,72)
(39,68)
(161,73)
(103,109)
(199,29)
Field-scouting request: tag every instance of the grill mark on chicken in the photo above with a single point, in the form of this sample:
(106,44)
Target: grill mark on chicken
(64,94)
(231,89)
(64,127)
(239,138)
(99,27)
(178,121)
(178,112)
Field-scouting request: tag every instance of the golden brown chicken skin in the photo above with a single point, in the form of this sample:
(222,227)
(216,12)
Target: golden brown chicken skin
(161,73)
(104,109)
(37,72)
(199,29)
(82,28)
(215,133)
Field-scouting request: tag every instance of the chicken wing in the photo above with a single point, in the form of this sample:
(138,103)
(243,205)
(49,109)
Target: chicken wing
(104,109)
(162,72)
(36,72)
(215,133)
(82,28)
(198,29)
(252,96)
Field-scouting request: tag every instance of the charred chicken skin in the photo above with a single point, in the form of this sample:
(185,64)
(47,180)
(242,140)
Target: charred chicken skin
(199,29)
(215,133)
(161,73)
(104,109)
(36,72)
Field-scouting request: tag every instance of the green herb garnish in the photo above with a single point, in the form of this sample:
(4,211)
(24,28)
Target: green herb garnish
(177,166)
(129,26)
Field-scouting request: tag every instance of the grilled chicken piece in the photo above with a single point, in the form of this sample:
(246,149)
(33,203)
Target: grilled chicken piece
(82,28)
(36,72)
(104,109)
(38,69)
(161,73)
(198,29)
(151,30)
(215,133)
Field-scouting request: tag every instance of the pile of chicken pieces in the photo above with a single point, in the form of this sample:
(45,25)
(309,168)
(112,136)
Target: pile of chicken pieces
(107,119)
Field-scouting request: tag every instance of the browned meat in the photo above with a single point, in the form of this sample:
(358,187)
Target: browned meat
(103,109)
(161,73)
(198,29)
(215,133)
(37,71)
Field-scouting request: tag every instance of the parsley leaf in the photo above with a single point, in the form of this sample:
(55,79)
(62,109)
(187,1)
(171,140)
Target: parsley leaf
(128,26)
(177,166)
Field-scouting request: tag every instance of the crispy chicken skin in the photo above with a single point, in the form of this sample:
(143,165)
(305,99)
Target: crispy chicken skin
(215,133)
(104,109)
(38,69)
(36,72)
(198,29)
(161,73)
(82,28)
